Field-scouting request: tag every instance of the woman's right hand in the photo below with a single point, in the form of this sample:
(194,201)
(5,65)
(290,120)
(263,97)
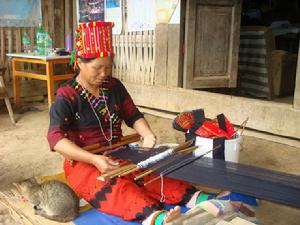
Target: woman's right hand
(103,163)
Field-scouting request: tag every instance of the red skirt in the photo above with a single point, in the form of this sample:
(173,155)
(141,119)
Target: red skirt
(124,197)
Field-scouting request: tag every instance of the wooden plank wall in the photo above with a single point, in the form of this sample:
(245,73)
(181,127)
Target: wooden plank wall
(55,20)
(167,55)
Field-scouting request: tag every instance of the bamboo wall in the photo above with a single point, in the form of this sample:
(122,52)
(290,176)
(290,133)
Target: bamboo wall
(134,57)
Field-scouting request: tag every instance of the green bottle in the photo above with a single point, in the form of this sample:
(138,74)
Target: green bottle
(40,37)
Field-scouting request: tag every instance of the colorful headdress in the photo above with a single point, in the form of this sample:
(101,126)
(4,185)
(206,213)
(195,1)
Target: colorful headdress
(93,39)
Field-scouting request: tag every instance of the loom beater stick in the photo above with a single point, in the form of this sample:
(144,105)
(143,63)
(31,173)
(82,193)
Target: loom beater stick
(116,145)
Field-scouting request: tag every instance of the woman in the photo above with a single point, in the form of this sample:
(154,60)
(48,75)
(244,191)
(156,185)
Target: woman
(90,109)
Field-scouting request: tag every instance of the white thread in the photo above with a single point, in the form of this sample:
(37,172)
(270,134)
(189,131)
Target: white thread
(162,196)
(154,159)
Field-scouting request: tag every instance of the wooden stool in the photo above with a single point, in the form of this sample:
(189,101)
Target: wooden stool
(4,95)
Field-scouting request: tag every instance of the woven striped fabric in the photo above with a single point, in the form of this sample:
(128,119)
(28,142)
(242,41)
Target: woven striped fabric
(252,64)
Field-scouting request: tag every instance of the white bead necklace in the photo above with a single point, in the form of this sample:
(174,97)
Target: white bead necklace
(108,139)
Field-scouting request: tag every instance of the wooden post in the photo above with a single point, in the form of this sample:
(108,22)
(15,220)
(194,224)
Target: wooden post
(297,85)
(3,60)
(48,17)
(45,15)
(2,45)
(59,23)
(68,18)
(74,17)
(18,37)
(10,47)
(161,54)
(51,21)
(173,56)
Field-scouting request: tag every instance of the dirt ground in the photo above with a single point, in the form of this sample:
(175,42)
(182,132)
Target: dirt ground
(24,153)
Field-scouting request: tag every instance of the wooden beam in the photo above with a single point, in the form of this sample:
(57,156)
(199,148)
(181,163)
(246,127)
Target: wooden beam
(51,19)
(297,85)
(2,45)
(68,18)
(18,38)
(74,16)
(59,24)
(45,15)
(48,17)
(173,56)
(272,117)
(161,54)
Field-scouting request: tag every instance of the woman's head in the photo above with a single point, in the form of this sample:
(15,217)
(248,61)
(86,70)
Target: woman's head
(95,70)
(93,40)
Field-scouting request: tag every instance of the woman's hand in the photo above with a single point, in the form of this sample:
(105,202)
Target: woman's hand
(103,163)
(149,141)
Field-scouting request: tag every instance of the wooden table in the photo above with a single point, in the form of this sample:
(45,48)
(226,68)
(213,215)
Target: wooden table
(49,76)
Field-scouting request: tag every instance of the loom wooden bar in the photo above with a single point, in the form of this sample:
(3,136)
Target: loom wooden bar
(122,139)
(115,172)
(106,148)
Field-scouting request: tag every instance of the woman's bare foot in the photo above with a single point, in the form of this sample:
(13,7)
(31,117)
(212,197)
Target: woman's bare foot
(172,214)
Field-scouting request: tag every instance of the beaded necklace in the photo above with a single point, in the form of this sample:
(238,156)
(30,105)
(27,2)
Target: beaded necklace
(108,139)
(94,103)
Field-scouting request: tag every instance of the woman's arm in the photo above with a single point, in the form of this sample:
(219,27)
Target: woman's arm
(71,151)
(142,127)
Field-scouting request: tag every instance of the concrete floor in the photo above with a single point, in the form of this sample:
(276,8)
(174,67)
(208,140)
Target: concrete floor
(24,153)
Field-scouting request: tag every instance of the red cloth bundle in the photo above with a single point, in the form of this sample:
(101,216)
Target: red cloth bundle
(219,127)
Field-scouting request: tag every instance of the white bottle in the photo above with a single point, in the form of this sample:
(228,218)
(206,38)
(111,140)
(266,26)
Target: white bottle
(48,44)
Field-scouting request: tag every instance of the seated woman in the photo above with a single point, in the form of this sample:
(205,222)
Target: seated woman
(90,109)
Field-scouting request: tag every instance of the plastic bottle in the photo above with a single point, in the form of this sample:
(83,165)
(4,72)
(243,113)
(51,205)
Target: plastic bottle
(40,36)
(26,43)
(47,44)
(68,42)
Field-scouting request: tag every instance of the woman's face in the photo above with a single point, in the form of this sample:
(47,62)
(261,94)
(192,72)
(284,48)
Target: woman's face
(95,71)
